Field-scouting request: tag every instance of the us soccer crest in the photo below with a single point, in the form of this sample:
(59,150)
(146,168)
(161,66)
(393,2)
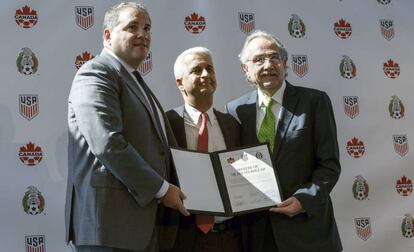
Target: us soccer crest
(29,106)
(347,68)
(400,144)
(84,16)
(35,243)
(246,22)
(396,108)
(26,17)
(407,226)
(195,23)
(296,27)
(360,188)
(384,2)
(355,147)
(300,65)
(27,62)
(33,201)
(391,69)
(82,58)
(146,65)
(30,154)
(363,228)
(351,106)
(343,29)
(404,186)
(387,28)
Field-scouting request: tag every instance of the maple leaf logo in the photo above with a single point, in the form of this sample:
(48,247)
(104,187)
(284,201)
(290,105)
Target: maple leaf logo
(355,148)
(195,23)
(26,10)
(391,69)
(82,58)
(404,186)
(30,154)
(343,29)
(26,17)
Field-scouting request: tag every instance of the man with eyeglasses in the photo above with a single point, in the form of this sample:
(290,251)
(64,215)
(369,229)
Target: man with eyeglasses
(299,126)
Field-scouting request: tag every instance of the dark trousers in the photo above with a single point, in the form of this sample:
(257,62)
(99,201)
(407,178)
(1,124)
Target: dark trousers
(227,241)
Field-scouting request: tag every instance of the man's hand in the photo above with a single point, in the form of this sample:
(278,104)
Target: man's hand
(174,199)
(290,207)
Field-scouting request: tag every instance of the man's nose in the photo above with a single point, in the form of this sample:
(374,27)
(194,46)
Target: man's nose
(204,72)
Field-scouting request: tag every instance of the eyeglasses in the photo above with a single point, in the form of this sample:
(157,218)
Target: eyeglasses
(261,59)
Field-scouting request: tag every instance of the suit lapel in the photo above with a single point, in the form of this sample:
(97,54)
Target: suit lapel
(288,109)
(247,116)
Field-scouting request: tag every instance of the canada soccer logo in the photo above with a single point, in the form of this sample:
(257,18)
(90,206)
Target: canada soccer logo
(26,17)
(35,243)
(300,65)
(396,108)
(384,2)
(27,62)
(146,65)
(30,154)
(246,22)
(195,23)
(29,106)
(360,188)
(82,58)
(351,106)
(84,16)
(387,28)
(407,226)
(404,186)
(296,27)
(343,29)
(347,68)
(363,228)
(391,69)
(355,147)
(400,144)
(33,201)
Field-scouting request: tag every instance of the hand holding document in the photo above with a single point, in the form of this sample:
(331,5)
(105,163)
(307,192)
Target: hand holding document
(228,182)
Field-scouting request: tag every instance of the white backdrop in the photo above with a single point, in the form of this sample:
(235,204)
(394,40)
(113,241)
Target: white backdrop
(33,107)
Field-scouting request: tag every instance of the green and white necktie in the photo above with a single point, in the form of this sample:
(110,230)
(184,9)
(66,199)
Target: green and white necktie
(267,128)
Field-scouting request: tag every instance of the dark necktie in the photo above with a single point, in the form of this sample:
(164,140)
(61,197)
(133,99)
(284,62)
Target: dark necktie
(151,97)
(204,222)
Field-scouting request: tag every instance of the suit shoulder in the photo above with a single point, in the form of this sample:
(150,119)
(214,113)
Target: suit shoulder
(312,93)
(226,116)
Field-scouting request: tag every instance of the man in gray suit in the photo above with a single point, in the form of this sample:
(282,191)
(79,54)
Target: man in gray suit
(299,125)
(119,160)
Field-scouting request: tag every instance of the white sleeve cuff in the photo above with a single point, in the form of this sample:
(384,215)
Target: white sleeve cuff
(163,190)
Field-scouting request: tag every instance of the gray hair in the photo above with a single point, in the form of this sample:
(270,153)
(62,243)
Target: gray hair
(261,34)
(111,19)
(180,64)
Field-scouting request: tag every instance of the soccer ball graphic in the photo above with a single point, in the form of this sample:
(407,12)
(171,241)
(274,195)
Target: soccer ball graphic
(348,75)
(27,69)
(384,1)
(297,33)
(396,114)
(360,195)
(33,209)
(408,233)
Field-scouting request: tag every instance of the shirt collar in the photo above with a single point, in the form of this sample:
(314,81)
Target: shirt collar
(129,68)
(194,114)
(278,96)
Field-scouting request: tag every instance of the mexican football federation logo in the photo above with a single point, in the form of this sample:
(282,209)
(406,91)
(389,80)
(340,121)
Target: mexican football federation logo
(391,69)
(300,65)
(384,2)
(84,16)
(296,27)
(27,62)
(343,29)
(146,65)
(387,28)
(82,58)
(400,144)
(29,106)
(355,147)
(396,108)
(351,106)
(33,201)
(195,23)
(360,188)
(404,186)
(35,243)
(363,228)
(407,226)
(30,154)
(246,22)
(347,68)
(26,17)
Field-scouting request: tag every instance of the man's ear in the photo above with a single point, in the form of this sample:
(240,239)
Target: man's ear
(107,36)
(179,84)
(244,68)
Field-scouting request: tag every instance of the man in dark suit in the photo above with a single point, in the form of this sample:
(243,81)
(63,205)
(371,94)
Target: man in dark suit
(299,125)
(198,126)
(119,158)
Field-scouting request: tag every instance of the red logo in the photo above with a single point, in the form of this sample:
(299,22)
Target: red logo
(300,65)
(343,29)
(30,154)
(84,16)
(81,59)
(351,106)
(391,69)
(146,65)
(26,17)
(195,23)
(404,186)
(355,148)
